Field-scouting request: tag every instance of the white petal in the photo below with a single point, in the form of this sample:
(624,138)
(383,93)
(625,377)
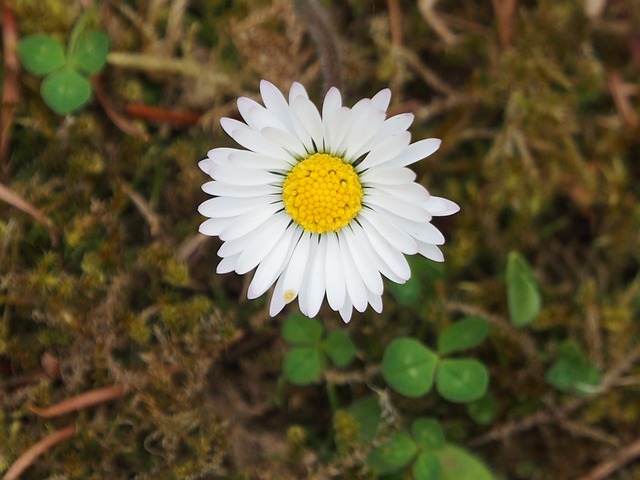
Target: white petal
(424,232)
(303,287)
(307,114)
(391,256)
(244,176)
(361,254)
(287,141)
(230,125)
(227,264)
(334,275)
(263,241)
(396,237)
(316,285)
(258,161)
(222,189)
(416,151)
(277,299)
(388,176)
(244,224)
(247,242)
(256,142)
(346,310)
(391,126)
(441,207)
(430,251)
(256,116)
(386,150)
(297,90)
(364,242)
(336,128)
(375,301)
(380,200)
(412,193)
(205,165)
(356,289)
(381,99)
(276,103)
(332,103)
(233,207)
(273,264)
(363,129)
(214,226)
(294,274)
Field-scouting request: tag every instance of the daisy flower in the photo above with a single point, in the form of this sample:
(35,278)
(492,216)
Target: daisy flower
(320,203)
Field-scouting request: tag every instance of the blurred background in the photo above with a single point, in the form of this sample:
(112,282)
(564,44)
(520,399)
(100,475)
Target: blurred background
(121,346)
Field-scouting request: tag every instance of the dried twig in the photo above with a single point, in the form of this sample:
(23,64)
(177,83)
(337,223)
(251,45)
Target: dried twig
(83,400)
(119,121)
(324,38)
(27,457)
(621,93)
(10,83)
(12,198)
(152,218)
(608,467)
(505,12)
(395,21)
(162,115)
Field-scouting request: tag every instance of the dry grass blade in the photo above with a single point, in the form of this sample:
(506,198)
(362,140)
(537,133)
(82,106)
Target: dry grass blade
(505,12)
(119,120)
(10,86)
(84,400)
(12,198)
(27,457)
(605,469)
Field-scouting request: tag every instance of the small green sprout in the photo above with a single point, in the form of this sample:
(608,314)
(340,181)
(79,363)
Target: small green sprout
(304,363)
(411,368)
(66,87)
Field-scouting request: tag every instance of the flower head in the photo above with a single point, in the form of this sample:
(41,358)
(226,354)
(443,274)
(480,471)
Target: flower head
(320,203)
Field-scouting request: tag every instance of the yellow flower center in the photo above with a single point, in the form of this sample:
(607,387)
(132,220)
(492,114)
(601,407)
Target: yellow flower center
(322,193)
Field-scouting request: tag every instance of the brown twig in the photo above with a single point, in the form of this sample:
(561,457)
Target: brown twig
(621,93)
(83,400)
(162,115)
(505,12)
(10,83)
(12,198)
(395,21)
(27,457)
(608,467)
(325,39)
(119,120)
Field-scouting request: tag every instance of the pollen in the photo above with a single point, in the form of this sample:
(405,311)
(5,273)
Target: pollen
(322,193)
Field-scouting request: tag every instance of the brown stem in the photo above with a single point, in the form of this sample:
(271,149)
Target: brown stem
(623,457)
(29,456)
(83,400)
(10,87)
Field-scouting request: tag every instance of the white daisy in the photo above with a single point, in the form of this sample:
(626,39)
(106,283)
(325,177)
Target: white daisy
(320,203)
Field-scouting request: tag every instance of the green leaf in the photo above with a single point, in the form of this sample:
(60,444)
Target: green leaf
(90,52)
(408,367)
(467,333)
(303,365)
(427,433)
(40,54)
(300,330)
(483,410)
(65,91)
(339,347)
(523,295)
(393,455)
(461,380)
(459,464)
(427,467)
(572,371)
(367,413)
